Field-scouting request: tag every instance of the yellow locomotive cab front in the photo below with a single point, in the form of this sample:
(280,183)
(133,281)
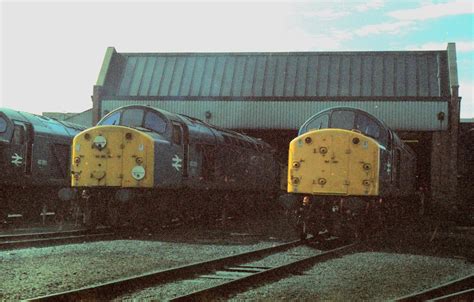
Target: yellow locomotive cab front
(112,156)
(334,162)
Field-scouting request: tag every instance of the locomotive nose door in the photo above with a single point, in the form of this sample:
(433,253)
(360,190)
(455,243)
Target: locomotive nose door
(108,153)
(331,163)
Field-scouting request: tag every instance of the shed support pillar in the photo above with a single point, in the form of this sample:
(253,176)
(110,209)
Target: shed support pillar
(444,169)
(96,104)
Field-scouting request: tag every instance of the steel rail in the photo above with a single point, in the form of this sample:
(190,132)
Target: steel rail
(259,277)
(109,290)
(22,236)
(453,287)
(28,240)
(465,295)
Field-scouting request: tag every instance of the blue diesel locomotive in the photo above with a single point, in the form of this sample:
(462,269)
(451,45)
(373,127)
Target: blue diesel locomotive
(349,173)
(34,163)
(145,165)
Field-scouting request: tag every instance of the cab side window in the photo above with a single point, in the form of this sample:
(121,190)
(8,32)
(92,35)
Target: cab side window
(18,135)
(3,125)
(155,122)
(177,136)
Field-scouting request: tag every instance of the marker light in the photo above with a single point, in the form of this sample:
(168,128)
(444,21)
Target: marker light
(138,172)
(100,142)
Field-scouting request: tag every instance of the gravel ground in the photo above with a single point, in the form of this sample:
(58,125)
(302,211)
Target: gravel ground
(27,273)
(31,272)
(362,277)
(168,291)
(378,275)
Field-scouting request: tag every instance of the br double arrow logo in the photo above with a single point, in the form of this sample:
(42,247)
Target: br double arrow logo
(17,160)
(176,162)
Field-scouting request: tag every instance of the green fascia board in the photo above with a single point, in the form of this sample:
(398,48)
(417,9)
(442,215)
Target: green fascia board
(105,66)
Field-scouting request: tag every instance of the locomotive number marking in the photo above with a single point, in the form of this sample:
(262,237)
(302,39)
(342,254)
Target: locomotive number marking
(176,162)
(17,160)
(42,162)
(389,168)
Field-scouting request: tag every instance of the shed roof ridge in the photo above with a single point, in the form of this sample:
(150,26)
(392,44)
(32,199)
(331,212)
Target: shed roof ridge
(285,53)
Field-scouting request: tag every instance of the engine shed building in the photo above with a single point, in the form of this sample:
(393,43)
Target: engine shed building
(269,95)
(466,166)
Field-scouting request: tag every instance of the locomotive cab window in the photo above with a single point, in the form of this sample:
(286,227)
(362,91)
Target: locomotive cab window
(371,128)
(342,119)
(132,117)
(154,122)
(3,124)
(319,122)
(113,119)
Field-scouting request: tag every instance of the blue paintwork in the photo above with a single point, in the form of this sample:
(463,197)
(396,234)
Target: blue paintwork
(208,157)
(42,159)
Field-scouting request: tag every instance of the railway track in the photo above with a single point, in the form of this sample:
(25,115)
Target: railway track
(458,290)
(12,241)
(42,238)
(236,266)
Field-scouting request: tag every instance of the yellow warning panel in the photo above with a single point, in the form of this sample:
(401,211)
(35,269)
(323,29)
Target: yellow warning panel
(333,162)
(138,160)
(112,156)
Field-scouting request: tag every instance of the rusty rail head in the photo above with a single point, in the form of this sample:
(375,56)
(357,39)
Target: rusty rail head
(445,289)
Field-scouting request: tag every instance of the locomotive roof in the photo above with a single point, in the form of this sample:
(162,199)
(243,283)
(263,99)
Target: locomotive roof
(192,122)
(42,124)
(346,108)
(381,123)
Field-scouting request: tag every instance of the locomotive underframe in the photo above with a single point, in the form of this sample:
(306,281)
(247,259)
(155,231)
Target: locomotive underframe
(352,217)
(141,208)
(29,204)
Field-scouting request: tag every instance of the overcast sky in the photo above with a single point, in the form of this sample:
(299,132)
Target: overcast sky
(51,52)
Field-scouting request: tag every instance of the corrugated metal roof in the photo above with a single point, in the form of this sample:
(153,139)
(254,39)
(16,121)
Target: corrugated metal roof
(308,74)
